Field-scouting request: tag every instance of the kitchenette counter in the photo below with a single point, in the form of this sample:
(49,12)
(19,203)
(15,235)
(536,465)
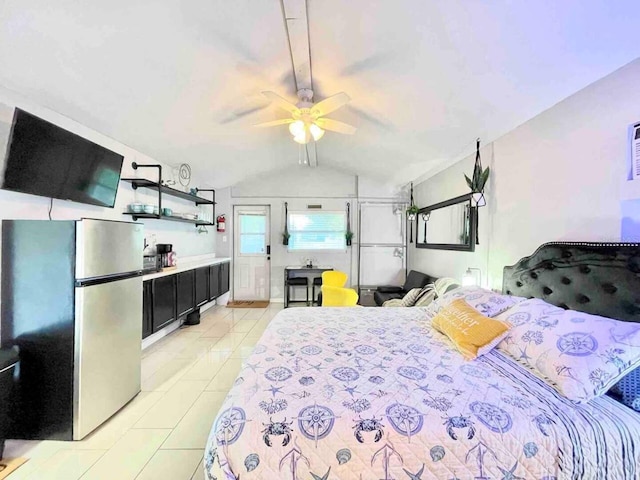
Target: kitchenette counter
(189,263)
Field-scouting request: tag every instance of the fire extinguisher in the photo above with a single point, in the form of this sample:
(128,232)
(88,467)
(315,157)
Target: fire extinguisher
(220,223)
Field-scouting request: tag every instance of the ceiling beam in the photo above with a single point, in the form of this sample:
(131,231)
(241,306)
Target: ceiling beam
(297,25)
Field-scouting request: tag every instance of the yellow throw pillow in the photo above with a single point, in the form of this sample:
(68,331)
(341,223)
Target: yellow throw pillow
(472,334)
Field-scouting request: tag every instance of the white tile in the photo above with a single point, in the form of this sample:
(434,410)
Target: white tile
(245,348)
(199,473)
(177,340)
(128,456)
(259,328)
(254,313)
(243,325)
(154,361)
(206,367)
(66,465)
(171,465)
(218,329)
(193,429)
(168,411)
(198,348)
(236,313)
(167,376)
(229,341)
(36,451)
(105,436)
(223,381)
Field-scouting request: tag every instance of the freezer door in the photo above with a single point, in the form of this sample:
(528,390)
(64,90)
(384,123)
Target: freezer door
(106,248)
(107,351)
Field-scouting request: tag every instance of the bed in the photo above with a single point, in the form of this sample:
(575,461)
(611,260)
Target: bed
(368,393)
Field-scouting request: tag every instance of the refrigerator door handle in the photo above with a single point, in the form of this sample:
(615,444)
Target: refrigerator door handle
(87,282)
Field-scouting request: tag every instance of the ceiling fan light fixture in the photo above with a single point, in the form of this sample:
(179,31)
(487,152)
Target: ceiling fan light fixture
(297,128)
(316,132)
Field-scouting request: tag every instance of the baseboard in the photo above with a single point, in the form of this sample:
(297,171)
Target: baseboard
(151,339)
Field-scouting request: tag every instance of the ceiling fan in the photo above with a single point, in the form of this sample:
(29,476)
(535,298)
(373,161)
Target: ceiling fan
(308,120)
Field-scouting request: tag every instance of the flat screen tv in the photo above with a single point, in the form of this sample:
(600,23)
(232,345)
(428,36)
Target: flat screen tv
(44,159)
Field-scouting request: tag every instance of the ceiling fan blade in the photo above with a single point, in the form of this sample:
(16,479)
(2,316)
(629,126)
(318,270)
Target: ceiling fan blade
(281,102)
(330,104)
(336,126)
(275,123)
(232,117)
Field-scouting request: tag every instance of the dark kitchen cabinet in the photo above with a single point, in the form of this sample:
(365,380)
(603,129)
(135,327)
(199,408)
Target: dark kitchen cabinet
(164,301)
(224,278)
(147,309)
(202,286)
(186,292)
(214,281)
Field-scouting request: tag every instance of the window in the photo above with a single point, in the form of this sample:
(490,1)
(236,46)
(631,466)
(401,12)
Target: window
(252,233)
(317,231)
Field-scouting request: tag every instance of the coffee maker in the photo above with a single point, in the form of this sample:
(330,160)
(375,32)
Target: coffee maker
(167,255)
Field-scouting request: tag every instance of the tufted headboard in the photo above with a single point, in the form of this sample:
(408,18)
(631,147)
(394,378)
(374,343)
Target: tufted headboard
(597,278)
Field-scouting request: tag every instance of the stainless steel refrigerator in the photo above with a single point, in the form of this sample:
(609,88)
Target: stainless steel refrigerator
(72,302)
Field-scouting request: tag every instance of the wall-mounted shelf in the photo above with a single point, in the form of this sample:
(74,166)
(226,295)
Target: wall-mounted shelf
(197,223)
(165,190)
(145,183)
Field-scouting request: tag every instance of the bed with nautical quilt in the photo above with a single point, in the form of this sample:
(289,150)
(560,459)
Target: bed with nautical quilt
(371,393)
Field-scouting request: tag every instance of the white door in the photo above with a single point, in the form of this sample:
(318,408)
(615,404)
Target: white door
(252,272)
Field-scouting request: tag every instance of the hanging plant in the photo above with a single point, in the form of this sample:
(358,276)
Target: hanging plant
(412,214)
(478,179)
(285,235)
(348,235)
(412,210)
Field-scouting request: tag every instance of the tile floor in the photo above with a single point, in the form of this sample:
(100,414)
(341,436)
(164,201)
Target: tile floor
(161,434)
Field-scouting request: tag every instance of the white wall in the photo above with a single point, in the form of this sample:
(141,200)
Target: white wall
(186,240)
(300,186)
(448,184)
(561,176)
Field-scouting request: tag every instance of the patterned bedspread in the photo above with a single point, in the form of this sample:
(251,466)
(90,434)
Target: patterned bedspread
(376,394)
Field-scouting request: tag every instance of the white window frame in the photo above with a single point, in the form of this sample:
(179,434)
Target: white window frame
(322,212)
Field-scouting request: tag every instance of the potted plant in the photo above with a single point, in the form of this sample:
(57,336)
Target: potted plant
(478,180)
(412,211)
(285,238)
(348,237)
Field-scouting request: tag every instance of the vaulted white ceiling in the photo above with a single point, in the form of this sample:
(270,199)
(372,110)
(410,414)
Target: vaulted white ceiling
(181,80)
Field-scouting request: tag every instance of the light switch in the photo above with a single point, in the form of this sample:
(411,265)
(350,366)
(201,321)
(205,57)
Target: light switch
(224,239)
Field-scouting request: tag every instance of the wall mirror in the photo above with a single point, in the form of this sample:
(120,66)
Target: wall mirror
(448,225)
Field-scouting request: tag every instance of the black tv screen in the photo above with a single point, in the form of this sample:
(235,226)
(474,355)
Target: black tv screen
(44,159)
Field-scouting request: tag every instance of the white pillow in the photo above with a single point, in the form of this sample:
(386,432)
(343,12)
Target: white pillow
(410,298)
(486,302)
(578,354)
(427,295)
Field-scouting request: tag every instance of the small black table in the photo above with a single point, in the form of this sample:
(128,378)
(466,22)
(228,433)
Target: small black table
(298,271)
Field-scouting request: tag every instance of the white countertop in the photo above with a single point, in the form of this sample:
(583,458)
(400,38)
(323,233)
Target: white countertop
(188,263)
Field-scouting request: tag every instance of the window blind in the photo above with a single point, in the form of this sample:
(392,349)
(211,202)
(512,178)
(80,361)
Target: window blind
(317,230)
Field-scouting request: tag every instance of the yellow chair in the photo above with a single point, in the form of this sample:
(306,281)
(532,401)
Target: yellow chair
(334,278)
(338,296)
